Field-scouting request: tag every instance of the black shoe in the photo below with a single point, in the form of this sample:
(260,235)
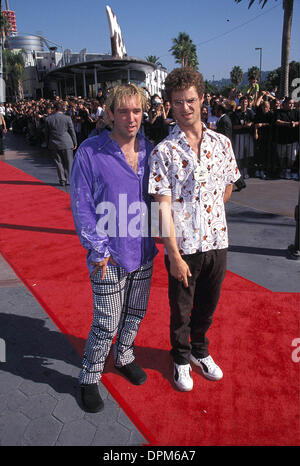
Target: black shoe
(240,184)
(134,373)
(90,398)
(62,183)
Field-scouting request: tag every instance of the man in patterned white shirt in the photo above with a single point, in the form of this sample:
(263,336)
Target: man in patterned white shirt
(192,172)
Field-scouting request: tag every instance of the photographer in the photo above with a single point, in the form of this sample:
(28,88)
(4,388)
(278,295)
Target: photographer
(158,129)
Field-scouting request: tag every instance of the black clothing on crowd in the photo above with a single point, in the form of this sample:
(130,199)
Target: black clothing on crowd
(158,130)
(240,118)
(287,134)
(265,152)
(85,123)
(101,100)
(224,126)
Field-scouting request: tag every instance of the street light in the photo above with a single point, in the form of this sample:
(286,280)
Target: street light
(260,60)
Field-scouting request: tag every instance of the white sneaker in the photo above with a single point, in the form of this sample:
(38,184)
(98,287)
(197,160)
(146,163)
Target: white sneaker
(182,377)
(209,368)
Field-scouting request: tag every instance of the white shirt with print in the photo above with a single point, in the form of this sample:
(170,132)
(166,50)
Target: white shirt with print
(196,187)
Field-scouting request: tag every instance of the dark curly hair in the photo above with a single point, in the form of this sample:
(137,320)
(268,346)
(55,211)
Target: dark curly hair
(183,78)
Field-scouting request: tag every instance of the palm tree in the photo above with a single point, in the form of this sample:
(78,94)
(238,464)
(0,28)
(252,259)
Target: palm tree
(285,44)
(13,64)
(4,26)
(184,51)
(253,73)
(153,59)
(236,75)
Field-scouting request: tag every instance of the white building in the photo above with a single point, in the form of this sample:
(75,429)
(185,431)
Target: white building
(49,71)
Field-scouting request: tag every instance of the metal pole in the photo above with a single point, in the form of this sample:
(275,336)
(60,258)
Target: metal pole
(96,81)
(260,61)
(84,84)
(75,85)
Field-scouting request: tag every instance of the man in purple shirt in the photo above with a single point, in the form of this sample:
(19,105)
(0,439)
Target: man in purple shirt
(111,211)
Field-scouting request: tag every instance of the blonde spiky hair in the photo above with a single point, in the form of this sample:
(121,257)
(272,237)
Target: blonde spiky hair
(119,94)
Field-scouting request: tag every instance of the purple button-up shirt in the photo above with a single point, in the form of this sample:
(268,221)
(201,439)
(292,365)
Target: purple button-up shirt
(110,203)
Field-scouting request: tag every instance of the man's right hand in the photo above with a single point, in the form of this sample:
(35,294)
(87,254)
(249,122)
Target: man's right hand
(180,270)
(103,266)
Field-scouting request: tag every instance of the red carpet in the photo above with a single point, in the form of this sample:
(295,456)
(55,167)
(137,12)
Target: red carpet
(257,401)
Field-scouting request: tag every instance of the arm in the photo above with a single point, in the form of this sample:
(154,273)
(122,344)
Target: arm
(4,125)
(72,132)
(227,193)
(178,267)
(84,212)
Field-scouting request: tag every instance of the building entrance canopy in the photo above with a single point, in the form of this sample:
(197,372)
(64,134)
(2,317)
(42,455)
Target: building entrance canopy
(102,70)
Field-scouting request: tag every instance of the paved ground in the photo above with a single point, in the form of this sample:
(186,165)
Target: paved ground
(38,367)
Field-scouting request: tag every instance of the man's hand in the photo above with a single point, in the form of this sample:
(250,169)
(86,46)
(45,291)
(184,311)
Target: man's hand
(180,270)
(102,265)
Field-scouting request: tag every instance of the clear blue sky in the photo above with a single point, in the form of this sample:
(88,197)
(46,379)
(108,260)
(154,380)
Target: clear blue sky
(225,33)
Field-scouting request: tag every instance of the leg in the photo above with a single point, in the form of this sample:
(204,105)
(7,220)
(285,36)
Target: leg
(58,159)
(181,304)
(67,162)
(136,296)
(108,295)
(281,151)
(1,143)
(207,294)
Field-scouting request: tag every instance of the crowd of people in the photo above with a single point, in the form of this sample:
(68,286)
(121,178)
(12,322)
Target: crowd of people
(263,129)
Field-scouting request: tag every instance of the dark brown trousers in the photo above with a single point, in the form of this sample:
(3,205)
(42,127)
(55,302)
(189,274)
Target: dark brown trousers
(192,308)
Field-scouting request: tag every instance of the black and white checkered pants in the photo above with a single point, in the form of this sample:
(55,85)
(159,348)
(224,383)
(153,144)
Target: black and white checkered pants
(120,303)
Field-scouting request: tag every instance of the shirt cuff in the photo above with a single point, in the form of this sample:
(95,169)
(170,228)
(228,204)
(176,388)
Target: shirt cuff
(98,257)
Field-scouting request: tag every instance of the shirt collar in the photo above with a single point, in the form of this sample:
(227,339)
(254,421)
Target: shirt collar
(178,133)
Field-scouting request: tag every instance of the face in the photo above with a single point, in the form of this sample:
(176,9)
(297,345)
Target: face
(127,118)
(186,106)
(265,108)
(167,105)
(244,104)
(289,105)
(204,113)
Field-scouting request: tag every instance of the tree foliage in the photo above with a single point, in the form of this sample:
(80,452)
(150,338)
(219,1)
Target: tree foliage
(263,2)
(184,51)
(13,67)
(236,75)
(273,78)
(253,73)
(288,6)
(4,26)
(153,59)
